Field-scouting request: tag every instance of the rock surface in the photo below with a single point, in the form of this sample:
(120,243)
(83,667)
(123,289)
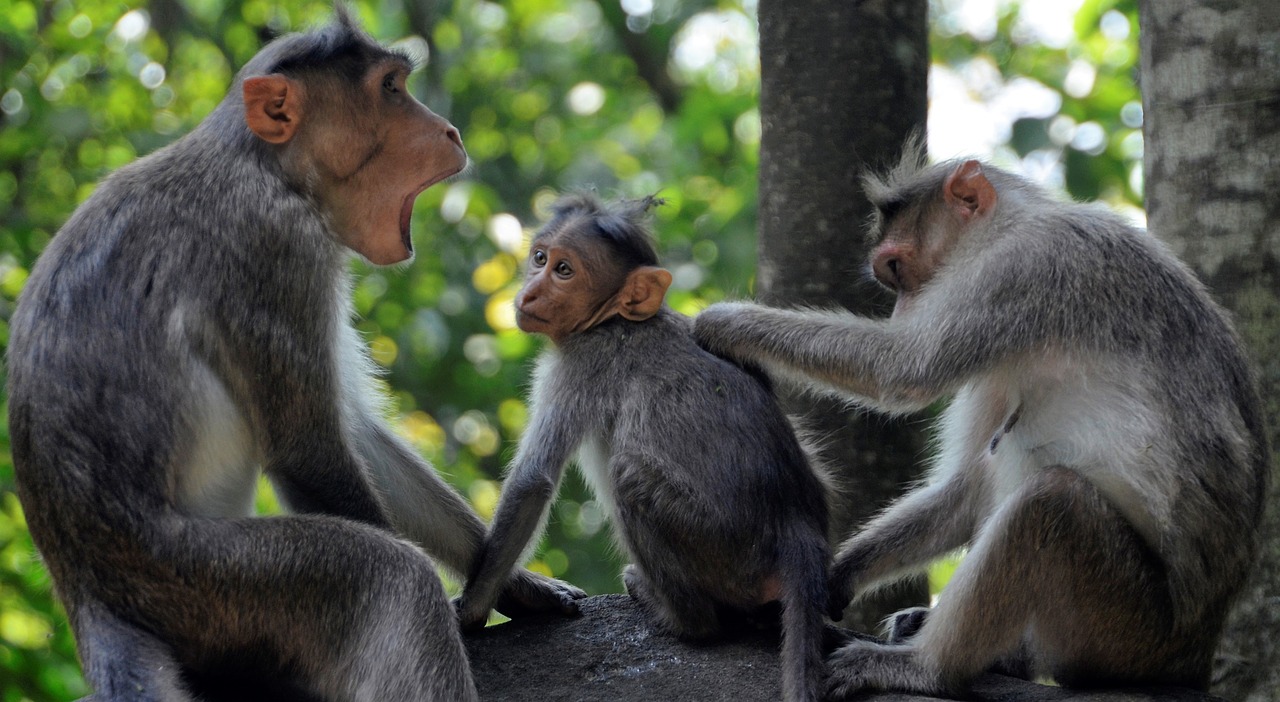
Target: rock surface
(612,653)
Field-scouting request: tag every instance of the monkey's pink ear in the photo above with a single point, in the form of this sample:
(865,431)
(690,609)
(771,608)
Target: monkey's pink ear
(272,107)
(968,192)
(642,293)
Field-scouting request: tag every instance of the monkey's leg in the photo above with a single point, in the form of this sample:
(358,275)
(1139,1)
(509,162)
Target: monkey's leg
(346,610)
(679,610)
(1056,558)
(323,477)
(123,663)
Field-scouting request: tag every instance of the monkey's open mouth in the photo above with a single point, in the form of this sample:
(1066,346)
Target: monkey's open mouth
(406,208)
(406,214)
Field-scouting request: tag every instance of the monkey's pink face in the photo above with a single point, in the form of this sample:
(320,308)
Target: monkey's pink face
(376,160)
(907,259)
(918,242)
(902,266)
(561,294)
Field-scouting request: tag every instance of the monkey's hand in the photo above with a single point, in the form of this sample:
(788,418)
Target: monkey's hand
(530,593)
(840,588)
(472,613)
(720,328)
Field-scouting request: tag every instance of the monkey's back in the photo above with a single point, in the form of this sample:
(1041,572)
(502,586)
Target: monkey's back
(705,467)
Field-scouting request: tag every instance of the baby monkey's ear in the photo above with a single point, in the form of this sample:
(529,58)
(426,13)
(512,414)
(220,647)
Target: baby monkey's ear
(641,295)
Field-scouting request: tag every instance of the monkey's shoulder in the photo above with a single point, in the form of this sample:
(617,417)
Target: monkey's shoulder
(656,365)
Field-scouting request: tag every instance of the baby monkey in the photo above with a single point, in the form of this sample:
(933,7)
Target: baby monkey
(711,493)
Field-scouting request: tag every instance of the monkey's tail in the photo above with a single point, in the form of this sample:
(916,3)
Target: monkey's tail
(803,561)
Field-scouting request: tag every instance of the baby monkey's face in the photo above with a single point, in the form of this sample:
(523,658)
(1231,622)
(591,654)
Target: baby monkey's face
(565,289)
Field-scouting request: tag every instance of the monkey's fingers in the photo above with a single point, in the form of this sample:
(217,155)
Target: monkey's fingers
(470,617)
(867,664)
(852,668)
(843,683)
(902,625)
(531,593)
(713,326)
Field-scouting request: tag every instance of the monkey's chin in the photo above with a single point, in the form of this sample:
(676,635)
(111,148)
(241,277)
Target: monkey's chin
(530,324)
(386,247)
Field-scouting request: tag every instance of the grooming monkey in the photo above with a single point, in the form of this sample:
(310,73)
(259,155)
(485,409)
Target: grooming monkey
(187,328)
(1102,457)
(713,498)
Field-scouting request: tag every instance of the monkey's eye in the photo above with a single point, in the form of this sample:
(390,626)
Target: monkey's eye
(539,258)
(389,84)
(564,270)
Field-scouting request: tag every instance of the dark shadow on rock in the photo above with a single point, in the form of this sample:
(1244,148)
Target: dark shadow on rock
(611,653)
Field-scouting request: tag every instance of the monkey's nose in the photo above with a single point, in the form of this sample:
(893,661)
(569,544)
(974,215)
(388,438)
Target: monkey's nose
(452,133)
(886,271)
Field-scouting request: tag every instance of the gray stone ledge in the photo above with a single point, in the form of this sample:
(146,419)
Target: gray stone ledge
(612,653)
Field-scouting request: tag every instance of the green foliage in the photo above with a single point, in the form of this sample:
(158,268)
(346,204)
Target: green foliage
(1092,139)
(548,99)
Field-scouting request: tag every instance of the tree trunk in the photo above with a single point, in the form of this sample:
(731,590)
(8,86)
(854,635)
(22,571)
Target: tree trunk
(1211,98)
(843,84)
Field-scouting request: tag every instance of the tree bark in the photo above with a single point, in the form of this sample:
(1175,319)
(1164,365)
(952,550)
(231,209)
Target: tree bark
(1211,98)
(843,84)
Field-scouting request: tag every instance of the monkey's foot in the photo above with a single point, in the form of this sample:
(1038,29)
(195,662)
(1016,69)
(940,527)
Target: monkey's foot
(904,624)
(865,665)
(531,593)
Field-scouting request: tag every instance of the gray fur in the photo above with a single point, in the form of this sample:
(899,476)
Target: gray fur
(709,490)
(187,328)
(1102,457)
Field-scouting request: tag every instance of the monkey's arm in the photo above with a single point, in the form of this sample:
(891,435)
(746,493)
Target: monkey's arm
(838,350)
(432,514)
(522,509)
(897,365)
(422,507)
(915,530)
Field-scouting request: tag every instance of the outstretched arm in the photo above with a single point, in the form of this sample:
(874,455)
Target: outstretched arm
(937,341)
(432,514)
(522,510)
(839,351)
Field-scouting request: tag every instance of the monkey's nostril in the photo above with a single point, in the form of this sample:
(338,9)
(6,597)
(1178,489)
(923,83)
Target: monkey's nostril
(888,271)
(454,136)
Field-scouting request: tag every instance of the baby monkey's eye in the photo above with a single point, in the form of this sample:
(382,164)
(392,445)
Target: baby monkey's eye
(539,258)
(563,269)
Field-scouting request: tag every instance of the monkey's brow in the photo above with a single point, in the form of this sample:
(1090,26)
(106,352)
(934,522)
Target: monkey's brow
(890,208)
(411,62)
(400,58)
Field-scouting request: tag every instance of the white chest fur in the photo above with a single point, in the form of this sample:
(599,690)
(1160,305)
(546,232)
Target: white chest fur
(1093,416)
(218,475)
(593,461)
